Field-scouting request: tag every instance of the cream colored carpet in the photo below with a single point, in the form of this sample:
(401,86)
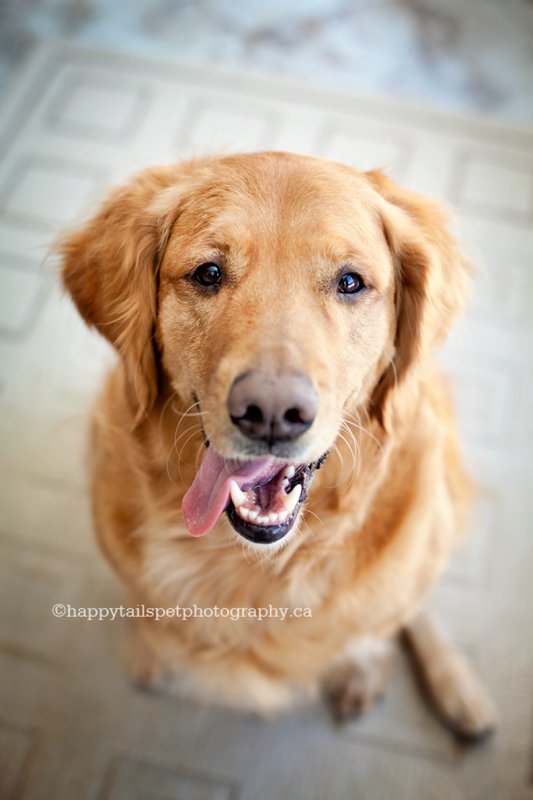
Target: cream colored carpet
(71,725)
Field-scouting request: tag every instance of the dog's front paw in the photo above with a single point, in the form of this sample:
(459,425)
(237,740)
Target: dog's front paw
(146,670)
(356,683)
(349,692)
(147,676)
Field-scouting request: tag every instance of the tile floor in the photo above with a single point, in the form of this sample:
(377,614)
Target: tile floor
(71,726)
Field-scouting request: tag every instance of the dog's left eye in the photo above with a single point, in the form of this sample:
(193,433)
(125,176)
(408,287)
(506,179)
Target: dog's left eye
(350,283)
(207,275)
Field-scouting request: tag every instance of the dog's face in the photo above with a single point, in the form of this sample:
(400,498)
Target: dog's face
(278,295)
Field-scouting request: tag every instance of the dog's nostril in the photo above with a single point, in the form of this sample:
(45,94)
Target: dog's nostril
(293,416)
(253,414)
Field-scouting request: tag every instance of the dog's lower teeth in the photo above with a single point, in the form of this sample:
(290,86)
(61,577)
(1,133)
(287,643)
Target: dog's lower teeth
(244,502)
(272,518)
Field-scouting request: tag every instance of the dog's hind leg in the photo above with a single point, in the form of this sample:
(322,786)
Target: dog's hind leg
(454,689)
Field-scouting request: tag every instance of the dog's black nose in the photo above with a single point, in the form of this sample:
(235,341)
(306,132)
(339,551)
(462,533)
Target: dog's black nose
(275,407)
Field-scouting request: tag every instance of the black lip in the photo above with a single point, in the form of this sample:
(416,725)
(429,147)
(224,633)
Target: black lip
(260,534)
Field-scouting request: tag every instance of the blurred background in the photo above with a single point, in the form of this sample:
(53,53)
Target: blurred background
(470,56)
(440,96)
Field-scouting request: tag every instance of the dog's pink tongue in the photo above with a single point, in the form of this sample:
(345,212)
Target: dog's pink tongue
(209,494)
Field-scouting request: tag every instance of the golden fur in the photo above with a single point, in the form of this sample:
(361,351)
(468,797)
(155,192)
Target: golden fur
(386,510)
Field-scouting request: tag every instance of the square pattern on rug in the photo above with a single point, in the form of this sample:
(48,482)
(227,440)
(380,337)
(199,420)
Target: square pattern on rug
(72,727)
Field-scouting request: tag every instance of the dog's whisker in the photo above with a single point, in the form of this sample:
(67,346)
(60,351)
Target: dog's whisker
(169,399)
(356,452)
(311,513)
(357,424)
(192,434)
(182,415)
(194,429)
(335,450)
(188,412)
(178,425)
(352,450)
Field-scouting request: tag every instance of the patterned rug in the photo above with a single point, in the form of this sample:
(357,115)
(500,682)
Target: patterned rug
(72,727)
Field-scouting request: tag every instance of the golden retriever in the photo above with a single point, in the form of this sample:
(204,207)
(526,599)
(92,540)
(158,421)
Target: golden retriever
(270,309)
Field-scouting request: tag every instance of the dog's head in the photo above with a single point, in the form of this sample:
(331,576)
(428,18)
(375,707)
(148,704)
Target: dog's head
(276,293)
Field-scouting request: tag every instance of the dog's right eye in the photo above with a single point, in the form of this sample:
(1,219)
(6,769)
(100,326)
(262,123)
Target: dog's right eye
(207,275)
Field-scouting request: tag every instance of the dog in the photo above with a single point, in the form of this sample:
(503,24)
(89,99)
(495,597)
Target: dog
(275,432)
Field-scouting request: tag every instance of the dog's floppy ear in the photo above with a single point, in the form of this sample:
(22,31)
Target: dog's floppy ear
(110,269)
(431,281)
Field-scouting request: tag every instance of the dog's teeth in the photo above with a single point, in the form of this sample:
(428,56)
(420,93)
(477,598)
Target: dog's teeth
(253,515)
(290,500)
(282,515)
(237,495)
(244,512)
(262,519)
(285,484)
(290,472)
(273,517)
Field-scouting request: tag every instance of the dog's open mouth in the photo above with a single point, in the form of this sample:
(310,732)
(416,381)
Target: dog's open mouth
(261,498)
